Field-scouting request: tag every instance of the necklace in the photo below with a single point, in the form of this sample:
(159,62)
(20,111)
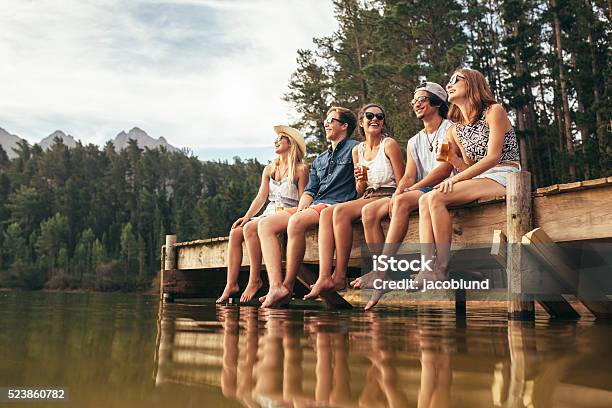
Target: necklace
(282,174)
(435,136)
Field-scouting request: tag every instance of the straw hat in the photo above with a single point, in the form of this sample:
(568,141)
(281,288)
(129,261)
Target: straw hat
(293,134)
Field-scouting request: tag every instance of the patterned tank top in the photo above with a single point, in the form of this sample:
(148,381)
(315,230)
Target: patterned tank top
(475,137)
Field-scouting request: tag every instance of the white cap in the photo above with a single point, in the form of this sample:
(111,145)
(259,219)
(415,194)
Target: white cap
(432,88)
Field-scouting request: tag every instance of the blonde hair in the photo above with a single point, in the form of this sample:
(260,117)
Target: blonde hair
(478,94)
(295,158)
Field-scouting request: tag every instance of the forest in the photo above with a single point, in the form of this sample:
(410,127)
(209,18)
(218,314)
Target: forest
(547,62)
(95,218)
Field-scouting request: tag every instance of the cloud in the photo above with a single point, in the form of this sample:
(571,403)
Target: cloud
(201,73)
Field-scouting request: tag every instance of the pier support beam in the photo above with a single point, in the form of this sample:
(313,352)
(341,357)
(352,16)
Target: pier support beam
(169,264)
(518,222)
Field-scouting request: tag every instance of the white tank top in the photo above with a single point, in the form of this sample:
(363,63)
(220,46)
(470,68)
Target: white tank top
(380,171)
(282,194)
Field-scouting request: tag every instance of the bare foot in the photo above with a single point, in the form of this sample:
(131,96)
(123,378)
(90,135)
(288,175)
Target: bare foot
(375,297)
(278,295)
(325,284)
(367,281)
(251,290)
(230,289)
(262,299)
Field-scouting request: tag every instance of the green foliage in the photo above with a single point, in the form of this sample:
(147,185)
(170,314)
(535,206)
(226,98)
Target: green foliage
(383,48)
(91,218)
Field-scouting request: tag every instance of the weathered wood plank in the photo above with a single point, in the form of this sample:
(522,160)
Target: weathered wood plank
(577,185)
(600,182)
(190,283)
(548,190)
(575,215)
(499,248)
(539,244)
(546,251)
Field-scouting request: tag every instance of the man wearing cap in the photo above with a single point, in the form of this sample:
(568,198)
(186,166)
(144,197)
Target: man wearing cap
(331,181)
(423,172)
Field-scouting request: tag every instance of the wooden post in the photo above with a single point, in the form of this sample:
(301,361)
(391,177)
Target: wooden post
(518,222)
(169,262)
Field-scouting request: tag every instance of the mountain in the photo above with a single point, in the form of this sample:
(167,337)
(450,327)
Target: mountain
(8,142)
(49,141)
(143,140)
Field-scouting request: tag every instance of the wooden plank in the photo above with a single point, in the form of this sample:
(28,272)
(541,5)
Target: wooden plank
(499,248)
(559,309)
(190,283)
(575,215)
(539,244)
(575,186)
(600,182)
(545,249)
(205,256)
(307,278)
(548,190)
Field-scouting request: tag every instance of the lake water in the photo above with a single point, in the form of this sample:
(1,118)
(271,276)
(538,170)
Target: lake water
(123,350)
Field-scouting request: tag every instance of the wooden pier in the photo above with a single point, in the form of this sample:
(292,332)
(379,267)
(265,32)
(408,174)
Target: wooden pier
(524,235)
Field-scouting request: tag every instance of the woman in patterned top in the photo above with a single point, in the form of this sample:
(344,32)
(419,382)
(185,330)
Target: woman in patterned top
(483,150)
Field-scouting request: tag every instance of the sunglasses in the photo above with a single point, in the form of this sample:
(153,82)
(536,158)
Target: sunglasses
(330,119)
(280,139)
(420,99)
(455,78)
(371,115)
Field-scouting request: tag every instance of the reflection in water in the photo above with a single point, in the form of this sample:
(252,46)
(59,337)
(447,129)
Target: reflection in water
(120,350)
(423,358)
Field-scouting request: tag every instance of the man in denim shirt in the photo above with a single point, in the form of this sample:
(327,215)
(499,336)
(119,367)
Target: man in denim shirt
(331,181)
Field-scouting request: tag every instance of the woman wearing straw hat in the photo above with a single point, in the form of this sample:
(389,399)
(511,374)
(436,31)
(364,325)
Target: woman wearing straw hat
(282,183)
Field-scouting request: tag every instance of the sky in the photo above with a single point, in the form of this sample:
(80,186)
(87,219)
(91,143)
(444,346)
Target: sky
(208,75)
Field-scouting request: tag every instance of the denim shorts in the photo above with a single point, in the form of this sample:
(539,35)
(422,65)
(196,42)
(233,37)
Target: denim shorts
(499,174)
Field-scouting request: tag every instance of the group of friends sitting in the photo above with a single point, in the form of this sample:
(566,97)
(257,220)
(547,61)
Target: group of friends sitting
(464,152)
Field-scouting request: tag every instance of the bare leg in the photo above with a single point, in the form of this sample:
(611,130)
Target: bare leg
(344,215)
(372,215)
(254,248)
(327,248)
(426,235)
(280,291)
(403,205)
(441,221)
(234,260)
(296,242)
(267,229)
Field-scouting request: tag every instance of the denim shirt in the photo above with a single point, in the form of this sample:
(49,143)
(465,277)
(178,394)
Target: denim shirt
(331,179)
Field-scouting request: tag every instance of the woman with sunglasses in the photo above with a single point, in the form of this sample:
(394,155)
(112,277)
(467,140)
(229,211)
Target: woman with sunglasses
(381,155)
(483,150)
(282,183)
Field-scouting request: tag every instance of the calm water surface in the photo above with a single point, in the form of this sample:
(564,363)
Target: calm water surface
(121,350)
